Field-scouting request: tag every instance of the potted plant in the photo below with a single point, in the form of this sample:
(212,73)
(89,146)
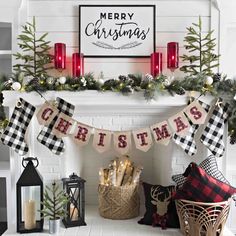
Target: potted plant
(53,206)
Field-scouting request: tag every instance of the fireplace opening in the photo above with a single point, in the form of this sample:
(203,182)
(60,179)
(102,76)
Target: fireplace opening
(3,206)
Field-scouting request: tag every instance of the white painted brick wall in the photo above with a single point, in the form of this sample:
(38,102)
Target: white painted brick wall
(86,161)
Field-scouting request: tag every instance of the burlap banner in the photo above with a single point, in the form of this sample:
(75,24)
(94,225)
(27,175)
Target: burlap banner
(196,113)
(82,134)
(63,125)
(122,142)
(102,140)
(46,114)
(179,124)
(161,132)
(143,139)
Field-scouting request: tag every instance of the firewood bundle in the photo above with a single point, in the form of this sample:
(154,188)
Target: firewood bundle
(120,172)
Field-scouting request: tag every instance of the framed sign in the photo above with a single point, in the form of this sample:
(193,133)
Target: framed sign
(117,30)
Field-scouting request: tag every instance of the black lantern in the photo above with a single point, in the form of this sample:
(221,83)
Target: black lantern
(29,195)
(74,187)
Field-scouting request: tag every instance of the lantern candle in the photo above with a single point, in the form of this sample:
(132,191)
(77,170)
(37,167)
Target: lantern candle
(172,55)
(60,56)
(156,63)
(77,64)
(74,214)
(30,214)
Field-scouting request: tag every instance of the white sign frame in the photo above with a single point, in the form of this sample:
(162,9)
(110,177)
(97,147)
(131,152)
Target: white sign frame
(117,30)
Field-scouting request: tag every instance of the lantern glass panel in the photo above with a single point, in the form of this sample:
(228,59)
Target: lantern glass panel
(74,203)
(30,205)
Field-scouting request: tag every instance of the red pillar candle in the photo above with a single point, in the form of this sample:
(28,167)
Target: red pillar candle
(173,55)
(77,64)
(156,63)
(60,56)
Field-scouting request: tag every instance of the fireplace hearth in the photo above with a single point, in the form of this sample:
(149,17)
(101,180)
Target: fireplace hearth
(107,111)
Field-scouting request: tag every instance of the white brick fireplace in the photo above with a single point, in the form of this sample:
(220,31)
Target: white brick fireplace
(109,111)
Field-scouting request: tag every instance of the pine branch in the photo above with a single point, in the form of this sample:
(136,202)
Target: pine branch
(54,202)
(35,52)
(204,60)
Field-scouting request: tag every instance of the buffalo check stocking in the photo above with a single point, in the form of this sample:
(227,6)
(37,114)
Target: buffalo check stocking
(212,136)
(14,134)
(187,143)
(47,138)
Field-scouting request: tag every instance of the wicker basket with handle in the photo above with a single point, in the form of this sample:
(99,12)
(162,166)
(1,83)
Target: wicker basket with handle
(202,219)
(118,202)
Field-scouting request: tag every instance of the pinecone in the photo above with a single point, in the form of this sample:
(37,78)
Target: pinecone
(132,76)
(232,139)
(148,77)
(180,91)
(122,78)
(216,77)
(34,82)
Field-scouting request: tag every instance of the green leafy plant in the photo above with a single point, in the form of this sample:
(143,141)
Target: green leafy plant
(35,55)
(54,202)
(201,57)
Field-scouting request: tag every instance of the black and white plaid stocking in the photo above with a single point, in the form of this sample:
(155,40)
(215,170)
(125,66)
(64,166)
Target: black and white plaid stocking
(14,134)
(187,143)
(212,136)
(45,137)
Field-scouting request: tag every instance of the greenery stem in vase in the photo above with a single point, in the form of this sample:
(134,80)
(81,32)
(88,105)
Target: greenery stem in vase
(54,204)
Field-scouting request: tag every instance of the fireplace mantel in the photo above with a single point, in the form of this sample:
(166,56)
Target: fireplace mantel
(94,102)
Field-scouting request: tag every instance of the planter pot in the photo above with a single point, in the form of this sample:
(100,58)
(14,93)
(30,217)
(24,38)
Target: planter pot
(54,226)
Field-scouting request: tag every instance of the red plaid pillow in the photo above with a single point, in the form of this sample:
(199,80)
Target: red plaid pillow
(201,187)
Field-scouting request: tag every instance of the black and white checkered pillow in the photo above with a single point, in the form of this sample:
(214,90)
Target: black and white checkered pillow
(211,168)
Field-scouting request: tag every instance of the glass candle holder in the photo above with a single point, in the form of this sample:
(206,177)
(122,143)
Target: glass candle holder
(77,64)
(173,55)
(60,56)
(156,64)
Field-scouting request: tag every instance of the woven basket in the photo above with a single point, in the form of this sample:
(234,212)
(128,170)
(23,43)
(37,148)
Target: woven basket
(202,219)
(118,203)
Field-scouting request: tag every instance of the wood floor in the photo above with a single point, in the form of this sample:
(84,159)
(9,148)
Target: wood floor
(98,226)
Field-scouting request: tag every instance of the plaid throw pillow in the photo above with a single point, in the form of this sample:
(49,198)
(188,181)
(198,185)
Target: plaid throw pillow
(160,208)
(210,166)
(201,187)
